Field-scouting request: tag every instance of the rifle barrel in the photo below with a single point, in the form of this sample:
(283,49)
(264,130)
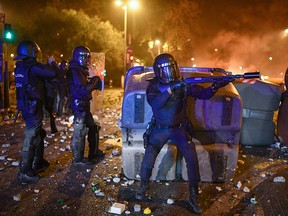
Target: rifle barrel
(230,78)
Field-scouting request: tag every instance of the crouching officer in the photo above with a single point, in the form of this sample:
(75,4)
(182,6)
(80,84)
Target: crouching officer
(168,98)
(80,87)
(30,75)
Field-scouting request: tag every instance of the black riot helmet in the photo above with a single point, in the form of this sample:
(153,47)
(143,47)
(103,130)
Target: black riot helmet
(28,50)
(82,55)
(166,68)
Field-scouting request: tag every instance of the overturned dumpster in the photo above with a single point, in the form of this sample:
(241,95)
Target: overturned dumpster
(216,129)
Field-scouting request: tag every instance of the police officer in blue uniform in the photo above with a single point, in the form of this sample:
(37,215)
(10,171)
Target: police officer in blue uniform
(80,87)
(167,96)
(62,87)
(30,94)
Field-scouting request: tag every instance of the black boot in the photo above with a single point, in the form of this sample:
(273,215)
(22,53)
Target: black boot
(78,145)
(78,154)
(193,198)
(53,124)
(140,194)
(39,163)
(26,174)
(95,154)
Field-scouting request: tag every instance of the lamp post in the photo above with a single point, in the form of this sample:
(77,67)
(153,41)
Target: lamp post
(157,42)
(125,4)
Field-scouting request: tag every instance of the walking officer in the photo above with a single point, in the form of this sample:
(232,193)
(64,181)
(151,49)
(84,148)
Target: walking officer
(81,86)
(167,96)
(30,75)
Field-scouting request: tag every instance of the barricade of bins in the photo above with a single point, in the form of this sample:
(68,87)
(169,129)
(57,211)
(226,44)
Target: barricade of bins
(217,127)
(261,102)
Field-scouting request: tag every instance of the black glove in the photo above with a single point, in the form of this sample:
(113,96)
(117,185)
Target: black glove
(175,84)
(95,79)
(219,84)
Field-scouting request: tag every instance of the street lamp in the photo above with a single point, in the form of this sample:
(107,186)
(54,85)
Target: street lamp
(157,42)
(133,4)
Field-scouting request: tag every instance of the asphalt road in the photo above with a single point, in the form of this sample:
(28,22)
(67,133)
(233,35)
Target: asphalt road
(66,190)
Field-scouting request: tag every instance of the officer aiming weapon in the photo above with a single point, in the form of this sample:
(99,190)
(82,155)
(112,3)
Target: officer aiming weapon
(229,78)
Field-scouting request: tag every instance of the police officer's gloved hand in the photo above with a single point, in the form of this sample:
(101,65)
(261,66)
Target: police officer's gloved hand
(163,87)
(175,84)
(219,84)
(94,79)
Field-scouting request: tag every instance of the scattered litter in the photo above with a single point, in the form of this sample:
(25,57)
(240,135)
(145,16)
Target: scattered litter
(246,189)
(127,212)
(99,194)
(2,157)
(276,145)
(60,201)
(170,201)
(110,199)
(36,191)
(17,197)
(147,211)
(117,208)
(137,208)
(116,180)
(241,162)
(239,185)
(115,152)
(6,145)
(218,188)
(71,118)
(253,200)
(15,163)
(279,179)
(95,183)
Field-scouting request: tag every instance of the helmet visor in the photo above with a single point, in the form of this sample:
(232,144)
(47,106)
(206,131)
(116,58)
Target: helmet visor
(169,72)
(84,59)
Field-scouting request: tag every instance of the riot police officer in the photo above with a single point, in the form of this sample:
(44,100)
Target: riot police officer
(30,92)
(167,96)
(80,87)
(62,87)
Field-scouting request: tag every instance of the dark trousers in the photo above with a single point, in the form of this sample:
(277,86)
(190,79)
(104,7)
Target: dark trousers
(34,134)
(82,120)
(180,138)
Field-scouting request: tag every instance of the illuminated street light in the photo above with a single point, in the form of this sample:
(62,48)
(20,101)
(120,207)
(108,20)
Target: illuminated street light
(132,4)
(157,42)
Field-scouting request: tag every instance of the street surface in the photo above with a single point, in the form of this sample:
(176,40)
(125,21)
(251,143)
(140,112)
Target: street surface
(67,190)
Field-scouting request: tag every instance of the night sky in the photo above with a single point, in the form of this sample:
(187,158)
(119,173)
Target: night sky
(246,33)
